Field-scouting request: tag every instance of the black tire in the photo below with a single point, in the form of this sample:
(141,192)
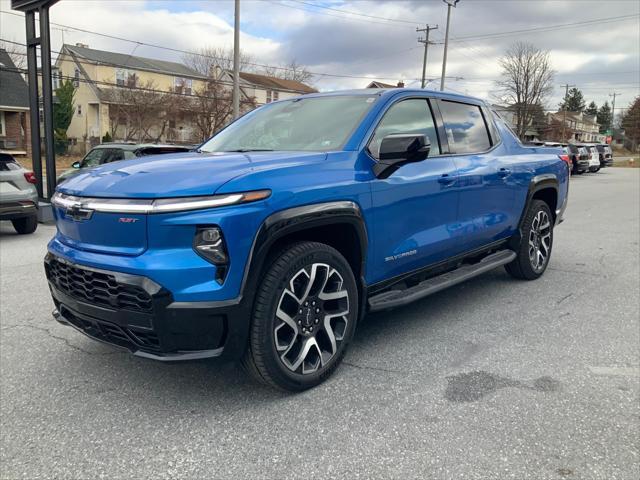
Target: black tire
(269,332)
(25,225)
(593,169)
(524,266)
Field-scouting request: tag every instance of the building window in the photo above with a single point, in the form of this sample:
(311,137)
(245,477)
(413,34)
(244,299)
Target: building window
(79,110)
(182,85)
(268,96)
(276,96)
(76,78)
(120,77)
(125,78)
(55,79)
(2,127)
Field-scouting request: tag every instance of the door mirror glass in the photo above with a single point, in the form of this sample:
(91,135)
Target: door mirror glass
(75,165)
(398,149)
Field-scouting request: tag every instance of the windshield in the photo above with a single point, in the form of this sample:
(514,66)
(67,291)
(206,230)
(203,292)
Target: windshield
(93,158)
(314,124)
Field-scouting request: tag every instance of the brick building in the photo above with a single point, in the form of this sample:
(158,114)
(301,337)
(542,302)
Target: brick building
(14,109)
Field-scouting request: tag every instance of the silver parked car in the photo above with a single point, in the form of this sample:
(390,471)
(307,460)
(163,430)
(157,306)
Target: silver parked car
(18,195)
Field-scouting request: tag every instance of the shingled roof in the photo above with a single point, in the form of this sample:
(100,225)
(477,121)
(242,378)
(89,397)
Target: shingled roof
(274,83)
(14,92)
(131,61)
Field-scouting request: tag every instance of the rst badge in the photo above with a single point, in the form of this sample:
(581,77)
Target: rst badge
(127,220)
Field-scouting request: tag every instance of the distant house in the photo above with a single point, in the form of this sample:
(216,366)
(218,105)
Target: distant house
(14,107)
(265,89)
(108,84)
(509,115)
(376,84)
(580,127)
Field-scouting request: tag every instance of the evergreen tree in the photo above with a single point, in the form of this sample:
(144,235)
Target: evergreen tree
(592,109)
(63,111)
(573,101)
(631,123)
(604,117)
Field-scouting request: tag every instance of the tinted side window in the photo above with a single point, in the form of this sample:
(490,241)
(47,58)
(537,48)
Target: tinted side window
(466,129)
(495,136)
(407,116)
(112,155)
(93,158)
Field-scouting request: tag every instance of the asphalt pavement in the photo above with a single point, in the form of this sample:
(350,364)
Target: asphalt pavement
(496,378)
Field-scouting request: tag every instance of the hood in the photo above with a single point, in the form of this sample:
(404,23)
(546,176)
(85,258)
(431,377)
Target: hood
(179,175)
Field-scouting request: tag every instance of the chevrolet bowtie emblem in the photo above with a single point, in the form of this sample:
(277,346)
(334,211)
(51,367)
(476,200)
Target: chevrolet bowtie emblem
(78,214)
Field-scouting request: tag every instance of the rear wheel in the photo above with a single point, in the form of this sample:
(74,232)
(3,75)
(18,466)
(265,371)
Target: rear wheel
(303,319)
(534,251)
(25,225)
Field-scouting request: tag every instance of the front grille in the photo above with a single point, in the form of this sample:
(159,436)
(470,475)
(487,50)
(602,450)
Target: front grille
(97,288)
(112,333)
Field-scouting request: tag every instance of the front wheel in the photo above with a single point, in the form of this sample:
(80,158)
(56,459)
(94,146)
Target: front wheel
(534,251)
(304,317)
(25,225)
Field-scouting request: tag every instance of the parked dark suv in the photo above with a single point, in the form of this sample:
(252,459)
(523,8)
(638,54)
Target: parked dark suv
(579,158)
(606,156)
(112,152)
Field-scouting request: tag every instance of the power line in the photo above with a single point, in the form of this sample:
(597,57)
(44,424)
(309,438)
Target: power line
(341,17)
(411,22)
(545,28)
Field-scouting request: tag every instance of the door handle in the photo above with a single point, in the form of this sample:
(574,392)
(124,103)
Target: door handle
(504,172)
(446,180)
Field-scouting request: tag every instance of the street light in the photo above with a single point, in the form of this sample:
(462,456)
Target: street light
(450,3)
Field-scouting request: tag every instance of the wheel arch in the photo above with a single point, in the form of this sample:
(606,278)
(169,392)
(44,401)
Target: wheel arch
(544,187)
(337,224)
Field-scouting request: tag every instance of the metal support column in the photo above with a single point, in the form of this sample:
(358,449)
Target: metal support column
(34,115)
(47,99)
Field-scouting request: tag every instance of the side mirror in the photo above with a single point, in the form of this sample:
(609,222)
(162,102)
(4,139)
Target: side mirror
(75,165)
(398,149)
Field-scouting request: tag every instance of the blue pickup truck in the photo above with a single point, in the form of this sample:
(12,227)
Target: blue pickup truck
(271,241)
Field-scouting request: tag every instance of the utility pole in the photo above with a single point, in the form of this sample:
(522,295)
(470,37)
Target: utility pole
(426,42)
(236,61)
(613,111)
(450,3)
(564,108)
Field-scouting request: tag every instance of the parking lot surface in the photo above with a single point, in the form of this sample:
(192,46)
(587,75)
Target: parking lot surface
(495,378)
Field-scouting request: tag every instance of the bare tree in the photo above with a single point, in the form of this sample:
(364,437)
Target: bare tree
(17,54)
(142,110)
(527,79)
(290,71)
(212,107)
(205,60)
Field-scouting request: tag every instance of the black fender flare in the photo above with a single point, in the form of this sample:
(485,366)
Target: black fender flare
(537,183)
(296,219)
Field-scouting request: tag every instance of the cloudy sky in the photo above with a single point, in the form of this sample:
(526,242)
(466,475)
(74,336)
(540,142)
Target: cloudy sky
(594,45)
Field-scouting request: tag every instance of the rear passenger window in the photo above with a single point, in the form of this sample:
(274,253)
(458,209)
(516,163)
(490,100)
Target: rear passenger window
(407,116)
(465,127)
(113,155)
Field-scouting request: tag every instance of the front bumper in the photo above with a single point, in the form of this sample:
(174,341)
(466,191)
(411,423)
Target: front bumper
(134,313)
(581,165)
(18,209)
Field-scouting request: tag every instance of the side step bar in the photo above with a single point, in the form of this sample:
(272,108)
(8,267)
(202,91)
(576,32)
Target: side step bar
(396,298)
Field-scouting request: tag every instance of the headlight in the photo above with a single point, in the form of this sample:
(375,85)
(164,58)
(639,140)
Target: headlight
(209,244)
(162,205)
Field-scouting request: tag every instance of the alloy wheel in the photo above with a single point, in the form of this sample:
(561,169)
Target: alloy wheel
(540,241)
(311,318)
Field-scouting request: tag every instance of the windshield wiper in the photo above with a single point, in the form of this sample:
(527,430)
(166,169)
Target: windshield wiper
(243,150)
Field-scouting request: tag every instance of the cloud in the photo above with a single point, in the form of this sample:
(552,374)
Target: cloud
(334,42)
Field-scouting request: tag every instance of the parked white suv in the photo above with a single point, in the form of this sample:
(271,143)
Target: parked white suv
(18,195)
